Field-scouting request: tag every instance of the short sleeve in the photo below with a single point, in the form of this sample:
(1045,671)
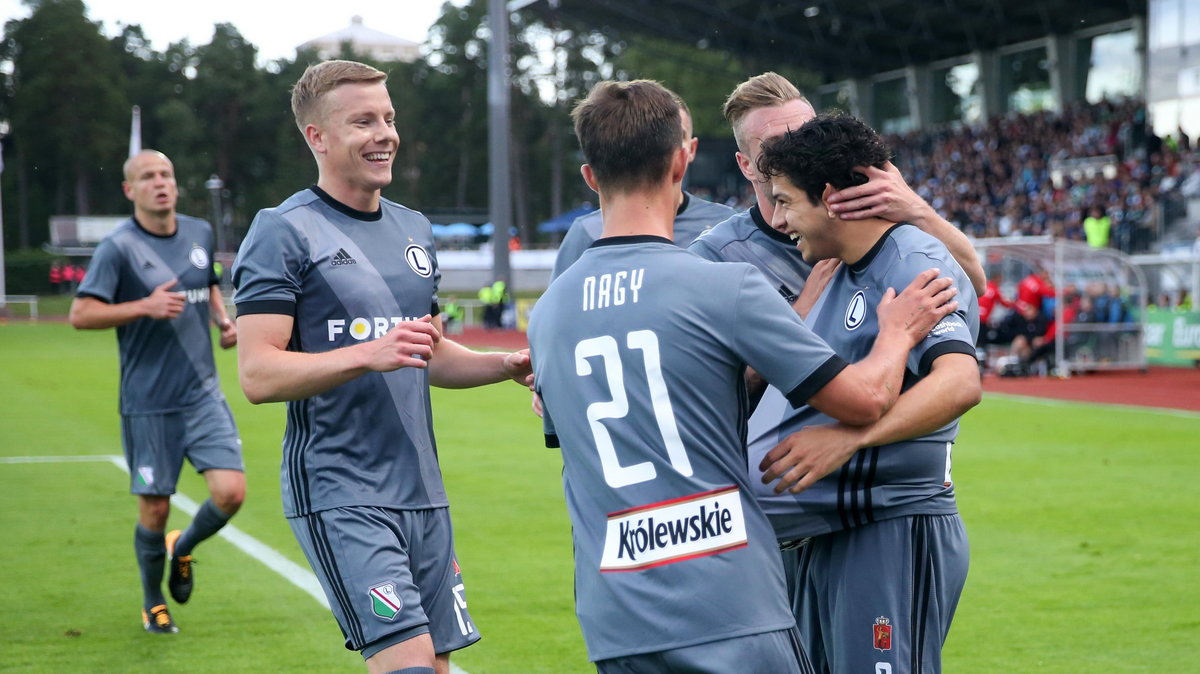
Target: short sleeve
(702,248)
(103,274)
(269,267)
(573,244)
(548,426)
(954,333)
(774,341)
(435,303)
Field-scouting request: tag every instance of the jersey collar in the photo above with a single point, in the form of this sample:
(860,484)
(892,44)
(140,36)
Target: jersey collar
(154,234)
(624,240)
(365,216)
(770,231)
(866,259)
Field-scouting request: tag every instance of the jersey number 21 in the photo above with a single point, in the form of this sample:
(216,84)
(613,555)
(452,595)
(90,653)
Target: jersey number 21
(605,347)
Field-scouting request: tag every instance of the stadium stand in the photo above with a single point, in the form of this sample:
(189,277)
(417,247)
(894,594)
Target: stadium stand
(1029,175)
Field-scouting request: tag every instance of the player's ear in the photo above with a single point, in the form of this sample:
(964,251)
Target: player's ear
(127,189)
(314,138)
(829,189)
(746,167)
(679,165)
(589,177)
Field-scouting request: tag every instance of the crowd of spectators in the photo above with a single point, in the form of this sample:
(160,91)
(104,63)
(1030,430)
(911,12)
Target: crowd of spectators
(999,178)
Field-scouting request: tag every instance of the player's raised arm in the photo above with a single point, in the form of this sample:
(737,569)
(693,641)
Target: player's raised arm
(269,372)
(863,392)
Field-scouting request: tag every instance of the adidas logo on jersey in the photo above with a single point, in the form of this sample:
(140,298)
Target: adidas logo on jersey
(342,257)
(148,265)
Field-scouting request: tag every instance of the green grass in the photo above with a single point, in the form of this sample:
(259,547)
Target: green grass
(1081,521)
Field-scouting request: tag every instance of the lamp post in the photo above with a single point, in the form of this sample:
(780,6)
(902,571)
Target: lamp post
(214,186)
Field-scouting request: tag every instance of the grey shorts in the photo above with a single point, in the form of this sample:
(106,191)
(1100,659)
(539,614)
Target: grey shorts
(157,444)
(389,575)
(768,653)
(880,598)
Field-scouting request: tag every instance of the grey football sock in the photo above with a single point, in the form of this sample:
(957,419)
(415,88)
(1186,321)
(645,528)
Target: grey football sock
(208,520)
(151,555)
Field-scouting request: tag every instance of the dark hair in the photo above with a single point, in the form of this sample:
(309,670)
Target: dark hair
(824,150)
(629,132)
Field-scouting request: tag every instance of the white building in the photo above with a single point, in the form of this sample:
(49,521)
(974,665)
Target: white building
(376,44)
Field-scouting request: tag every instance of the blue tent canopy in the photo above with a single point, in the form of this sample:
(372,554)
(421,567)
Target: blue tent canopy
(562,222)
(458,229)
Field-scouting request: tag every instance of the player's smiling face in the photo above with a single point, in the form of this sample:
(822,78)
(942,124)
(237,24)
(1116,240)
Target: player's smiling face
(359,138)
(807,223)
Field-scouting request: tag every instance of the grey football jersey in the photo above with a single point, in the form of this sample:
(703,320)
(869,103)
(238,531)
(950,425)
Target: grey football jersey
(639,350)
(746,237)
(905,478)
(694,217)
(166,365)
(345,277)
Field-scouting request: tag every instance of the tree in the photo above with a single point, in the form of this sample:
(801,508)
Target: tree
(78,93)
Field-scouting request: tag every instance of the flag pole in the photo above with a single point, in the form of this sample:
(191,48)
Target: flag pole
(135,132)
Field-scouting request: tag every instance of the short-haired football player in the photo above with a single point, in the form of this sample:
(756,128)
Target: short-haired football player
(338,312)
(152,279)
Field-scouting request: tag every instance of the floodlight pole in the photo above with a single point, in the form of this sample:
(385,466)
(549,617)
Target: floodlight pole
(499,161)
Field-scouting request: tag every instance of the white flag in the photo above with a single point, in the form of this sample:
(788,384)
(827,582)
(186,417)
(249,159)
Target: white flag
(135,132)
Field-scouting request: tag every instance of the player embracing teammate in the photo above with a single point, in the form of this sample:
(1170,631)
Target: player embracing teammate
(639,349)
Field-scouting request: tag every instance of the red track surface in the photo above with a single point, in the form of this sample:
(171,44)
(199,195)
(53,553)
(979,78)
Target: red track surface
(1177,388)
(479,338)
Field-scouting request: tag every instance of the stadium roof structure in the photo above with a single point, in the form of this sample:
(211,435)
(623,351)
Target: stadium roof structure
(842,39)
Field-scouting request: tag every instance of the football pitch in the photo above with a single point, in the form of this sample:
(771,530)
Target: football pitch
(1082,520)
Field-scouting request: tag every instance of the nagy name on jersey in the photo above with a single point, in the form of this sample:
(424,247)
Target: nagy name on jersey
(362,328)
(672,531)
(612,290)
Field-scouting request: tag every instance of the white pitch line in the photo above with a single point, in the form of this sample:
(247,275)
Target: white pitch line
(291,571)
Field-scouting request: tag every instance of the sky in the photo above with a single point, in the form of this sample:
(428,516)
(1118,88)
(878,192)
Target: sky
(164,21)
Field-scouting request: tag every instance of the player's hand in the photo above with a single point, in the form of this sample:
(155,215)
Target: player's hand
(228,333)
(162,303)
(536,404)
(820,276)
(808,455)
(927,300)
(519,367)
(407,344)
(885,195)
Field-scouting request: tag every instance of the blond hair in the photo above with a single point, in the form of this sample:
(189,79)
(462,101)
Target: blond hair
(761,91)
(321,78)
